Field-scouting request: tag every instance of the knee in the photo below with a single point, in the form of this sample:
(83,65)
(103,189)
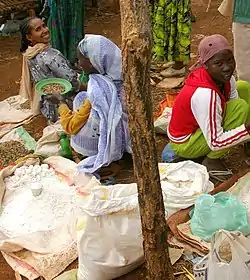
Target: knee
(243,86)
(240,108)
(242,105)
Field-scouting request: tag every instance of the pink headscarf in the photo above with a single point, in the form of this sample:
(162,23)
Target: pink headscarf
(208,47)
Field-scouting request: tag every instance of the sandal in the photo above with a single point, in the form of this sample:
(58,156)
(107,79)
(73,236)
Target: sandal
(218,173)
(220,176)
(171,72)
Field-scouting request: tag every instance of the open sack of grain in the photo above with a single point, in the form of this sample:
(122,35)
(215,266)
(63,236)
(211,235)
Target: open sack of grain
(14,111)
(38,233)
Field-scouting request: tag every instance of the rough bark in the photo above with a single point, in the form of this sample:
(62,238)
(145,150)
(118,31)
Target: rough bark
(94,3)
(136,50)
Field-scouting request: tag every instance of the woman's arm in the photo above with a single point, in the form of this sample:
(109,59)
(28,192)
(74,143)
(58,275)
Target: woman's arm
(71,121)
(206,108)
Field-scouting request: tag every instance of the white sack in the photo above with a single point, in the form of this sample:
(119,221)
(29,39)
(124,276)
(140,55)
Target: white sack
(213,267)
(109,237)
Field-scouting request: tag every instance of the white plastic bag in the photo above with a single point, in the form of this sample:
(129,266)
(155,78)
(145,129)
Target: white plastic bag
(109,237)
(182,183)
(213,267)
(49,144)
(161,124)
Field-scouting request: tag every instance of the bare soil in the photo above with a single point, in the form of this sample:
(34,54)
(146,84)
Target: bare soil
(108,24)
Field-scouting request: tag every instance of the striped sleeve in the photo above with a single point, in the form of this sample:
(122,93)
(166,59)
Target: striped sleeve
(206,107)
(234,93)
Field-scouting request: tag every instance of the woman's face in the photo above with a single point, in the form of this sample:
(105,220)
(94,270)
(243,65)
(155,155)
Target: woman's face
(85,64)
(39,32)
(221,66)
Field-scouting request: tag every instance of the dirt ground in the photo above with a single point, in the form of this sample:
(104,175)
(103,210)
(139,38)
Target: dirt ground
(109,26)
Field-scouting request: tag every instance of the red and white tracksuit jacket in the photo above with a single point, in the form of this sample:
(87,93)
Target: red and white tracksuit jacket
(200,104)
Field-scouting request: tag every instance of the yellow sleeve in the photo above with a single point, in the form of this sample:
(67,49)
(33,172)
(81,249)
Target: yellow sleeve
(71,121)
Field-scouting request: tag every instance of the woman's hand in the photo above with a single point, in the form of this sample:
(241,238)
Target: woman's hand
(83,87)
(55,98)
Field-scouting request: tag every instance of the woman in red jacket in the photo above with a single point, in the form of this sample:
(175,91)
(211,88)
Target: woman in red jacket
(211,112)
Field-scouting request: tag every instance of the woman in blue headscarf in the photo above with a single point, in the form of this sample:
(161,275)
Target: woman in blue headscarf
(98,123)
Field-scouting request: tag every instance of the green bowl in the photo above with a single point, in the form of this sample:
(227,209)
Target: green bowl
(39,86)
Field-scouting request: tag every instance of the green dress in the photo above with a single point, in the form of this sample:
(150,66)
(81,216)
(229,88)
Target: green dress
(66,24)
(171,24)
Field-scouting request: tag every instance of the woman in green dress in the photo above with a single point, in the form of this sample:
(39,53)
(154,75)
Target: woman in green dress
(171,23)
(66,24)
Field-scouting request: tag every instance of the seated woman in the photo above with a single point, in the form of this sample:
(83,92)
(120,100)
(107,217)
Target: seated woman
(98,124)
(211,112)
(40,61)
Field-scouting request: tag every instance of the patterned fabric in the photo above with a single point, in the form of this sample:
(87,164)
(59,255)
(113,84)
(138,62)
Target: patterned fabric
(66,24)
(105,137)
(241,13)
(50,63)
(171,22)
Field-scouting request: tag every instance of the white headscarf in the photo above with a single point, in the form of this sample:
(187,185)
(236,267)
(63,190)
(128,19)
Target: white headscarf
(103,54)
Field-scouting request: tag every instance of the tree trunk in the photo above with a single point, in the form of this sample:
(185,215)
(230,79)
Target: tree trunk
(94,3)
(136,49)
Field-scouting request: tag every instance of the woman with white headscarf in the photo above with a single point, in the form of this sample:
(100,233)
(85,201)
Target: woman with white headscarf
(98,124)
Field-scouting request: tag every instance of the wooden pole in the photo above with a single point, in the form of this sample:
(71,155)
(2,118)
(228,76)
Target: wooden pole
(136,50)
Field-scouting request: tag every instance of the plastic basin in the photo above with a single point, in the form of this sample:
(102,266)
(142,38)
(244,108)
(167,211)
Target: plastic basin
(62,82)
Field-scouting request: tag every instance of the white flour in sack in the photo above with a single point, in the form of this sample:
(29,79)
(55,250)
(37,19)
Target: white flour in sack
(23,213)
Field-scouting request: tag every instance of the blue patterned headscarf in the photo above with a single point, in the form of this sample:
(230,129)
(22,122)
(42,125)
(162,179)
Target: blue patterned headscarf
(103,54)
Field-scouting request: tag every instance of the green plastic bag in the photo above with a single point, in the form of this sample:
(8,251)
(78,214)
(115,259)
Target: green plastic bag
(84,78)
(221,211)
(69,275)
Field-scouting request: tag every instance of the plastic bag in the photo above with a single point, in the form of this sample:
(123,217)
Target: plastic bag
(213,266)
(21,135)
(182,183)
(222,211)
(161,124)
(49,144)
(109,237)
(69,275)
